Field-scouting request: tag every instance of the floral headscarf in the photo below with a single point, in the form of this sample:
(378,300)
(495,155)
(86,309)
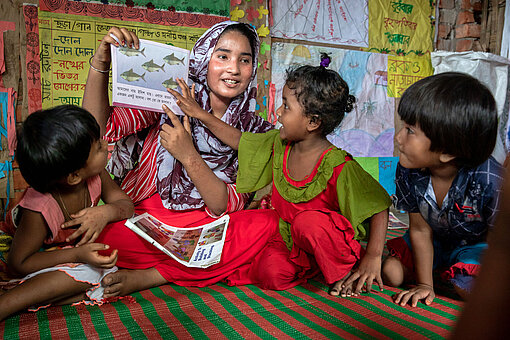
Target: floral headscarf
(176,189)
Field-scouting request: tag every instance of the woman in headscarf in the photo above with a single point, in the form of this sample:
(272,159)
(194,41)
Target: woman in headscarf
(178,171)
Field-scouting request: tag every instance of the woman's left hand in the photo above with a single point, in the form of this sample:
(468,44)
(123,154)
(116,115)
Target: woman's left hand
(177,139)
(368,271)
(91,222)
(186,101)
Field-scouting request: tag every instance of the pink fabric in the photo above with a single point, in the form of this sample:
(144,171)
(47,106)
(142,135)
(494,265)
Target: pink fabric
(247,235)
(49,208)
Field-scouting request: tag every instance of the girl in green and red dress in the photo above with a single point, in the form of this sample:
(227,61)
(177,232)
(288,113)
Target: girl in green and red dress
(326,202)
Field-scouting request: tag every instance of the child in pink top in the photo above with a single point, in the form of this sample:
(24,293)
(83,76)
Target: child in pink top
(63,159)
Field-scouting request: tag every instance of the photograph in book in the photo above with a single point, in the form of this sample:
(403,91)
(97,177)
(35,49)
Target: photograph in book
(142,76)
(199,246)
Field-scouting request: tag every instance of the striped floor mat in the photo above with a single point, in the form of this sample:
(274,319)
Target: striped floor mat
(223,312)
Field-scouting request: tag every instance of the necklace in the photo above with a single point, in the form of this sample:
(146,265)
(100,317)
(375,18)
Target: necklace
(66,212)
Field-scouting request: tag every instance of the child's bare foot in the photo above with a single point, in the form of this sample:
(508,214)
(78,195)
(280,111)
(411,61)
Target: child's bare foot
(338,288)
(125,281)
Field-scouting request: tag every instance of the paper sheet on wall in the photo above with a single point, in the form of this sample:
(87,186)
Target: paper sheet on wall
(368,129)
(401,27)
(68,41)
(405,71)
(493,71)
(340,22)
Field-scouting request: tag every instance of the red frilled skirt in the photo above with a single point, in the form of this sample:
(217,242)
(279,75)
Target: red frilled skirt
(248,233)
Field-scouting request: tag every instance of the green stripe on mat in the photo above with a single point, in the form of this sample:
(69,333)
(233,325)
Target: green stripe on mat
(326,332)
(11,328)
(391,305)
(262,311)
(323,315)
(347,311)
(44,324)
(153,316)
(208,313)
(73,322)
(236,312)
(174,307)
(127,320)
(99,322)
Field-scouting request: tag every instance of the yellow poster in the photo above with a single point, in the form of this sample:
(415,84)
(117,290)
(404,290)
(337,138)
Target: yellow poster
(67,42)
(405,71)
(401,27)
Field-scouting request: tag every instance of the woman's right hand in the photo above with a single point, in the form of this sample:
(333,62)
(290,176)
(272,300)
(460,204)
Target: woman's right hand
(89,253)
(103,57)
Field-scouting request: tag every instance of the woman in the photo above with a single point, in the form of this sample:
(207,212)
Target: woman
(185,177)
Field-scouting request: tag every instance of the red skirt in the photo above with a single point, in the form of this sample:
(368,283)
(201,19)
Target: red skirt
(248,233)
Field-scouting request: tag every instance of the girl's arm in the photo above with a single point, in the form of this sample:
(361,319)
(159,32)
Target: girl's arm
(95,97)
(25,257)
(423,255)
(369,268)
(226,133)
(118,206)
(177,140)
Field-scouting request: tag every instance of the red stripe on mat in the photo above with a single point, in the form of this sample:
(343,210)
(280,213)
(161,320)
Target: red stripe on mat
(57,323)
(344,318)
(388,323)
(247,310)
(286,318)
(338,314)
(113,322)
(27,326)
(194,314)
(164,313)
(141,320)
(237,325)
(86,321)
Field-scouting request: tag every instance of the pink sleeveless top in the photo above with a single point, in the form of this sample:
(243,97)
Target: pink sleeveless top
(49,208)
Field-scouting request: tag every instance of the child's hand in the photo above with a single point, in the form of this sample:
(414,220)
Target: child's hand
(415,294)
(368,270)
(89,253)
(177,139)
(187,101)
(92,222)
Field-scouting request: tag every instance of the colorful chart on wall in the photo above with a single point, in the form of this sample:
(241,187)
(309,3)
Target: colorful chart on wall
(368,130)
(68,41)
(343,22)
(402,27)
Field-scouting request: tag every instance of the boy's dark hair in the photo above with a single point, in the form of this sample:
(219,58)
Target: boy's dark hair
(245,30)
(456,112)
(323,93)
(53,143)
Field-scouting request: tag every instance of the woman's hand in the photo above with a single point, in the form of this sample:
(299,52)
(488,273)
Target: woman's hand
(187,101)
(102,58)
(368,271)
(415,294)
(91,222)
(177,139)
(89,254)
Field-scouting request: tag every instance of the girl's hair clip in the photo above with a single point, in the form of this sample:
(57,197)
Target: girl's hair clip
(325,60)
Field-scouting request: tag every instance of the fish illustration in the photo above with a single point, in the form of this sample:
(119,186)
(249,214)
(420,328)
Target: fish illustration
(170,84)
(131,52)
(171,59)
(132,76)
(151,66)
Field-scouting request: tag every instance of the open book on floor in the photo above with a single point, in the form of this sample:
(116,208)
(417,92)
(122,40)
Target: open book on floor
(193,247)
(140,77)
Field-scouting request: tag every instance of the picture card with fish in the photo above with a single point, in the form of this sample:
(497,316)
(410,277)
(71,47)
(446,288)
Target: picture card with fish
(142,76)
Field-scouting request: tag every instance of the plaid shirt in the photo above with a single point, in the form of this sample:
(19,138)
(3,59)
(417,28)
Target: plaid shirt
(468,210)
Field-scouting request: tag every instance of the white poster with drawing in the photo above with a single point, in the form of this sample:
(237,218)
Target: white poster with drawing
(142,76)
(342,22)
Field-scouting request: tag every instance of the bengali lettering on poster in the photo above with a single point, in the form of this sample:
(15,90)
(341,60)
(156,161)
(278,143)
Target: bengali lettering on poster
(405,71)
(67,42)
(401,27)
